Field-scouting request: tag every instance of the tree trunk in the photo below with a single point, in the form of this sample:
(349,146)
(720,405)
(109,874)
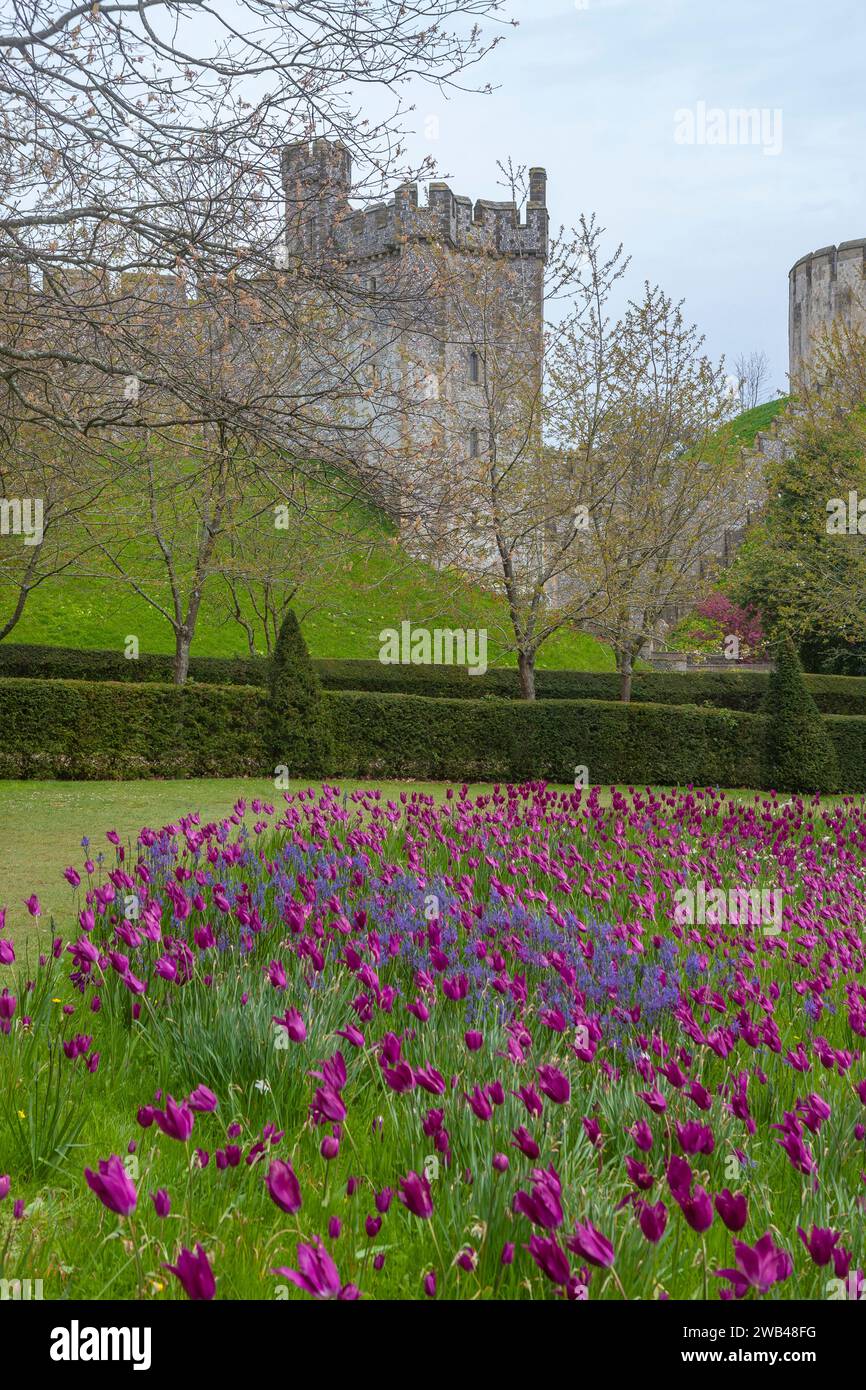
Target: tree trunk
(181,657)
(526,669)
(625,678)
(14,616)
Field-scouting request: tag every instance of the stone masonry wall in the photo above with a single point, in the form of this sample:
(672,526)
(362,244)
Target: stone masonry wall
(825,287)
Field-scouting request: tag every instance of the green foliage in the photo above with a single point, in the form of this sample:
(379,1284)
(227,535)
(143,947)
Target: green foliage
(410,736)
(804,573)
(833,656)
(740,690)
(849,740)
(41,1097)
(95,730)
(108,730)
(345,603)
(801,755)
(744,428)
(299,730)
(79,664)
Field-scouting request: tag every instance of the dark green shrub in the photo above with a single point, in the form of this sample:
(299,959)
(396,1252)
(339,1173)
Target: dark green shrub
(484,740)
(73,663)
(90,730)
(800,754)
(299,728)
(738,690)
(849,739)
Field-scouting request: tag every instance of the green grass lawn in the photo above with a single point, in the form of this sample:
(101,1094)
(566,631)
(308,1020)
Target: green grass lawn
(343,605)
(744,428)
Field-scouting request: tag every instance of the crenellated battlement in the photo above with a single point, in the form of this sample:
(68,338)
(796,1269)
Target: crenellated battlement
(448,218)
(317,182)
(424,320)
(827,286)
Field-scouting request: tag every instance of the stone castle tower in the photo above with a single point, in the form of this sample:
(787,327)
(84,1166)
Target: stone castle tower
(825,287)
(437,289)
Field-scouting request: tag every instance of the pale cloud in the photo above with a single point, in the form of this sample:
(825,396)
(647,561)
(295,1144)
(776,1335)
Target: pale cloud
(592,93)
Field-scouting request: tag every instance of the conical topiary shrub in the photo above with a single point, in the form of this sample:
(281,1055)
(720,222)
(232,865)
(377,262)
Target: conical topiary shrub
(300,734)
(800,754)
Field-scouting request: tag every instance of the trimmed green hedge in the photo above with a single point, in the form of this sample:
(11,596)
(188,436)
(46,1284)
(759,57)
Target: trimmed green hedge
(489,740)
(72,663)
(89,730)
(736,690)
(848,733)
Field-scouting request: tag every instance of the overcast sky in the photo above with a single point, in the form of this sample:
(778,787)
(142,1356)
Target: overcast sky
(596,90)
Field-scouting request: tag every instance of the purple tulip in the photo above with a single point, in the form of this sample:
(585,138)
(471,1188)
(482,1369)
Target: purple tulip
(415,1195)
(161,1202)
(293,1024)
(697,1209)
(695,1138)
(550,1258)
(318,1275)
(554,1084)
(734,1210)
(524,1141)
(638,1173)
(758,1267)
(175,1120)
(543,1206)
(479,1104)
(591,1245)
(820,1243)
(283,1186)
(195,1274)
(112,1185)
(653,1220)
(202,1099)
(7,1009)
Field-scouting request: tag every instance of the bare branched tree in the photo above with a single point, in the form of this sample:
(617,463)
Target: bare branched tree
(510,508)
(665,483)
(752,372)
(142,188)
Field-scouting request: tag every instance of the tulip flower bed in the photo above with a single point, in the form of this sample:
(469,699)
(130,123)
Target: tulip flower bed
(341,1047)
